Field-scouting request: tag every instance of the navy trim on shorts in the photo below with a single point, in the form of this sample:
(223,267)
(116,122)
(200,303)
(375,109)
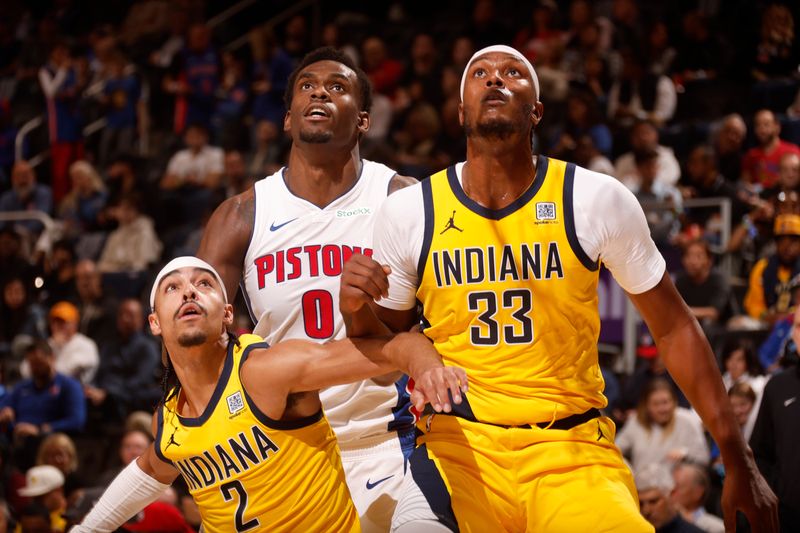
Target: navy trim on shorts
(429,480)
(497,214)
(427,202)
(260,416)
(569,220)
(212,403)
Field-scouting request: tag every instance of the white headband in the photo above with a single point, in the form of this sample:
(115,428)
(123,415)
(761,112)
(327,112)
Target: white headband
(506,50)
(183,262)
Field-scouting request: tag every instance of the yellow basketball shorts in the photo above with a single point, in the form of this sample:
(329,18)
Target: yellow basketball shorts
(475,477)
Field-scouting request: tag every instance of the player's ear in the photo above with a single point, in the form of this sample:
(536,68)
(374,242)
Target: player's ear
(363,122)
(536,113)
(227,315)
(155,327)
(287,122)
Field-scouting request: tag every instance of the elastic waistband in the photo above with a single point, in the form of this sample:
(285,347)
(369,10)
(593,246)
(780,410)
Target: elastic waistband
(377,444)
(568,422)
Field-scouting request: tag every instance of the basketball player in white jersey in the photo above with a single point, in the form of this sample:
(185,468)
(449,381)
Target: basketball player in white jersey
(287,239)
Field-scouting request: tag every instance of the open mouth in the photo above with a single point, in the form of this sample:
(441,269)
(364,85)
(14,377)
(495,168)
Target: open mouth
(189,310)
(317,112)
(495,97)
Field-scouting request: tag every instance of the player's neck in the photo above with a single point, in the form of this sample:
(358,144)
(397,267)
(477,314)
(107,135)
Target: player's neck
(321,176)
(199,369)
(497,173)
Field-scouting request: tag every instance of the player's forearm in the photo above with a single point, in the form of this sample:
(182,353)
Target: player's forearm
(363,323)
(691,363)
(412,353)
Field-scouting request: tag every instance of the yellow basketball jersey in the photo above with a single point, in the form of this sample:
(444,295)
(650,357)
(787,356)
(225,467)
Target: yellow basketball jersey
(510,296)
(248,472)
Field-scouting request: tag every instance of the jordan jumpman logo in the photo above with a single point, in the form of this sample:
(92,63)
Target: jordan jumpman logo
(451,224)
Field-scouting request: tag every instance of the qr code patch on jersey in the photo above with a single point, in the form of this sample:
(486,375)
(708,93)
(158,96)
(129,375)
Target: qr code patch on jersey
(235,402)
(545,211)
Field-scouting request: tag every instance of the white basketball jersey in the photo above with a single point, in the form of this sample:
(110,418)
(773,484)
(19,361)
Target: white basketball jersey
(291,285)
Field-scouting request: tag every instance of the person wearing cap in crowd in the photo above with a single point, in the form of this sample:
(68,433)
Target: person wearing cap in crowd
(502,255)
(769,293)
(46,402)
(76,354)
(45,484)
(242,421)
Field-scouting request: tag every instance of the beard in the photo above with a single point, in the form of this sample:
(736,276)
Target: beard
(315,137)
(192,338)
(499,128)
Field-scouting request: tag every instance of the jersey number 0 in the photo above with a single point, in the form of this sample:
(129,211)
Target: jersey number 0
(318,314)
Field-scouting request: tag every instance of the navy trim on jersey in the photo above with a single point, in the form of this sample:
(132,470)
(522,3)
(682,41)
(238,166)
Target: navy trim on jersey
(429,480)
(569,220)
(212,403)
(160,434)
(260,416)
(402,419)
(498,214)
(427,203)
(243,288)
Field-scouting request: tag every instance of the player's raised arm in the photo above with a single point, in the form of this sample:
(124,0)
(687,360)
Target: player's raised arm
(137,486)
(300,366)
(226,238)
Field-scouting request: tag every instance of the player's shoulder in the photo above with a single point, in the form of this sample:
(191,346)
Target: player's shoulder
(403,198)
(593,187)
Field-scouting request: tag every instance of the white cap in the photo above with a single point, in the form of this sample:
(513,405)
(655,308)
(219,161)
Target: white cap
(40,480)
(506,50)
(183,262)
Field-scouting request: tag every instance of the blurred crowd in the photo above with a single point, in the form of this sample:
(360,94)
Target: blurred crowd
(149,116)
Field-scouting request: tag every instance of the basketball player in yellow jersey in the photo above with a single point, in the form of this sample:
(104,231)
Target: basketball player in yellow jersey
(502,254)
(244,425)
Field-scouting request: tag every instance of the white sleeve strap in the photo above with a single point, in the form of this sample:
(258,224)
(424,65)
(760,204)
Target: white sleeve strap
(130,492)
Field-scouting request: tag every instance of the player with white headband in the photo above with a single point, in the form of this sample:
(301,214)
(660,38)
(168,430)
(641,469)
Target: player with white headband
(242,422)
(501,253)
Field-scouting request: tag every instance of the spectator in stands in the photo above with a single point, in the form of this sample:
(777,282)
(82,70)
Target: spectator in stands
(232,95)
(122,97)
(728,142)
(706,291)
(417,140)
(384,72)
(194,79)
(11,480)
(451,145)
(296,38)
(588,156)
(658,51)
(662,432)
(463,48)
(662,203)
(122,177)
(133,444)
(75,354)
(644,137)
(486,27)
(97,307)
(58,450)
(640,95)
(788,184)
(271,69)
(703,180)
(761,163)
(62,87)
(27,195)
(19,316)
(743,399)
(583,118)
(691,490)
(196,167)
(777,54)
(700,54)
(421,80)
(45,484)
(775,437)
(263,160)
(134,245)
(769,291)
(236,179)
(48,401)
(542,31)
(58,272)
(655,486)
(129,362)
(82,208)
(13,262)
(741,365)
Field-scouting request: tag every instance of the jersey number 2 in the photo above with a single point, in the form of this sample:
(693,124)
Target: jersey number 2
(318,314)
(488,332)
(227,490)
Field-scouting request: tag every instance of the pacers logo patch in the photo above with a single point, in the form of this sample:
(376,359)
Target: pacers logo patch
(235,402)
(545,211)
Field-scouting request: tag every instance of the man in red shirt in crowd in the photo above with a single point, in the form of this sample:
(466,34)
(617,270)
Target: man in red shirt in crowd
(761,163)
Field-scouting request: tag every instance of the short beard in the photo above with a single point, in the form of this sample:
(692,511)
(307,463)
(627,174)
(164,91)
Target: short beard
(316,137)
(498,128)
(193,338)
